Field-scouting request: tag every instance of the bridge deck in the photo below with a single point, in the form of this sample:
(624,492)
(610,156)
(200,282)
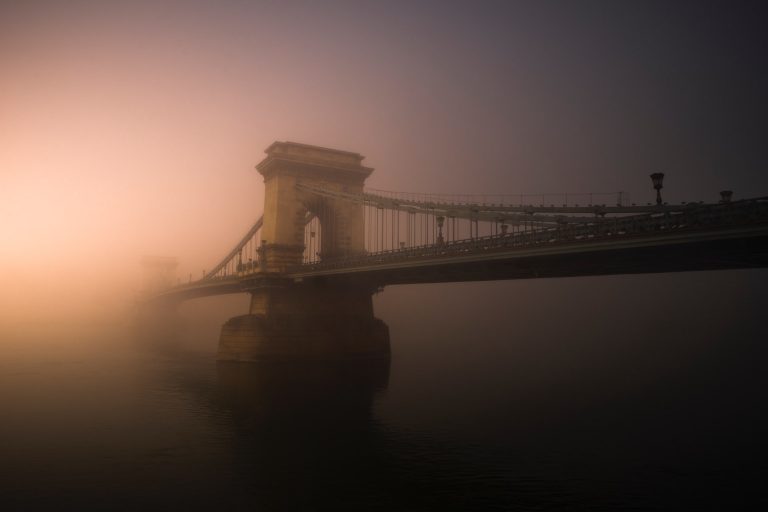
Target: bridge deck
(669,247)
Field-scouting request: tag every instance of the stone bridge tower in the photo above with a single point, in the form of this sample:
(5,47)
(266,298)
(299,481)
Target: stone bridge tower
(314,319)
(159,273)
(287,207)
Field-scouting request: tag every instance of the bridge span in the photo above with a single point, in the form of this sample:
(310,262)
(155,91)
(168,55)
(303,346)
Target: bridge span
(325,244)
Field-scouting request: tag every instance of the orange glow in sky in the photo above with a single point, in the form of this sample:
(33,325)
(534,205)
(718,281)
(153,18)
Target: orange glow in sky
(132,128)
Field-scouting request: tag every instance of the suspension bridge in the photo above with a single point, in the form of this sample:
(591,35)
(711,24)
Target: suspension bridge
(325,245)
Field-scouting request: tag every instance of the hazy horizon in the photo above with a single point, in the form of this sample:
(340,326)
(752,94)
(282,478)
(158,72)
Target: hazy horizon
(132,128)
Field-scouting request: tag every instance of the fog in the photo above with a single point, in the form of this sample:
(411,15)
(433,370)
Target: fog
(133,128)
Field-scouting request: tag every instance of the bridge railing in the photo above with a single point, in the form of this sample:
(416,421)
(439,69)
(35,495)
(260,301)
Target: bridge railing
(688,218)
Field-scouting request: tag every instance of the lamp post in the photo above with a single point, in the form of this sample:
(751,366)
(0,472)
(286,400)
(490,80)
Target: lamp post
(658,184)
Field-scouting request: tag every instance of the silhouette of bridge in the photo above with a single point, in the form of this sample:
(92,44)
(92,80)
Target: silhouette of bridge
(325,244)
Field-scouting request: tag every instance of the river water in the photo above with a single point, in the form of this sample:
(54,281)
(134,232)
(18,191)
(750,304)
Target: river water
(611,393)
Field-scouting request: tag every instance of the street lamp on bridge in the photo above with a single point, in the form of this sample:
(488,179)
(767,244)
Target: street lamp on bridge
(658,184)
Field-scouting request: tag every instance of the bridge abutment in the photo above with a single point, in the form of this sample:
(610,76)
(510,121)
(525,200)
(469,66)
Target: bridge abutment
(305,321)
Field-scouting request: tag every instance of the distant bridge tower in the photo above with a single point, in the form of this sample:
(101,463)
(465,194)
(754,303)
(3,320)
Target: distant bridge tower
(287,208)
(157,324)
(159,273)
(289,319)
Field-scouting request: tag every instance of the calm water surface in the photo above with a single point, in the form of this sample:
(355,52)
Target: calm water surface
(622,393)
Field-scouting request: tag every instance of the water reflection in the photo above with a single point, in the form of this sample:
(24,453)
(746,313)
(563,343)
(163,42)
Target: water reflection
(304,433)
(305,436)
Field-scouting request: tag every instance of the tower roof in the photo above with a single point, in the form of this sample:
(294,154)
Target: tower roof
(296,155)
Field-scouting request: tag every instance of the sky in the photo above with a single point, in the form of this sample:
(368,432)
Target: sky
(132,128)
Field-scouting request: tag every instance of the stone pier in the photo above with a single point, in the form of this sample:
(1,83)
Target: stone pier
(305,321)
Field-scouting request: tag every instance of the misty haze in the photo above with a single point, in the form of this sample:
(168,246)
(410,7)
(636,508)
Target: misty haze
(382,256)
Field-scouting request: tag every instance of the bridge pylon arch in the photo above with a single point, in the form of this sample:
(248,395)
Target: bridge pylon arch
(287,206)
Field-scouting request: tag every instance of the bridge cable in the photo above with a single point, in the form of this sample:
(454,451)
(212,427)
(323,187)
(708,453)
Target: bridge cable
(234,252)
